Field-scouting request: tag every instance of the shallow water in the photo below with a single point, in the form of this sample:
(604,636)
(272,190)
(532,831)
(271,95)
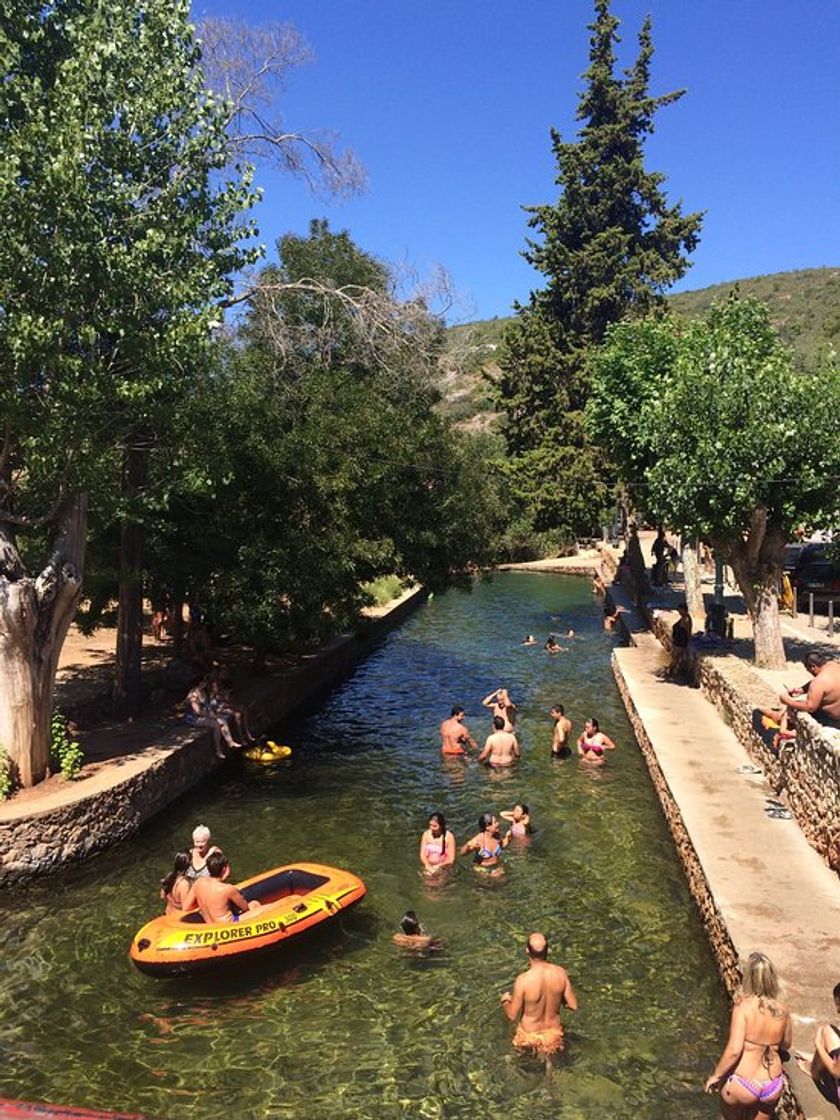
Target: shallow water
(347,1026)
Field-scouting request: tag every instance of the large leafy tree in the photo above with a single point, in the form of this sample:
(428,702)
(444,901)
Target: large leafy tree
(609,247)
(716,431)
(336,468)
(120,236)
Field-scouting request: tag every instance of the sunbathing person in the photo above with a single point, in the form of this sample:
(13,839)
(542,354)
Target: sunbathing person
(824,1064)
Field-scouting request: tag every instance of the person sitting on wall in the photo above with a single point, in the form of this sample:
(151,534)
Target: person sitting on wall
(822,698)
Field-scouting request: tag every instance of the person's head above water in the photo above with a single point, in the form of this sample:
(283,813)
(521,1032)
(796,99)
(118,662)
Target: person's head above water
(537,947)
(216,864)
(592,724)
(487,821)
(498,723)
(201,836)
(558,709)
(437,824)
(457,710)
(410,924)
(523,810)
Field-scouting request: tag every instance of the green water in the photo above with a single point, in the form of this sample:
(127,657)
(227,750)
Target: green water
(348,1026)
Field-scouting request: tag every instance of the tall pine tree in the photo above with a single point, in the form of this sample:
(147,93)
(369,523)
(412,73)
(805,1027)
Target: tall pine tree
(609,248)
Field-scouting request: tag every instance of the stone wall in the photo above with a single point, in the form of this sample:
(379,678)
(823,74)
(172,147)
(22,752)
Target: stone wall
(132,789)
(711,917)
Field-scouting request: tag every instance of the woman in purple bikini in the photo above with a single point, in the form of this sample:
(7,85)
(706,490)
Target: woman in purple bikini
(749,1074)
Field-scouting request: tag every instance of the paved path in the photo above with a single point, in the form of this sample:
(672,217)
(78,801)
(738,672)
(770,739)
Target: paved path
(773,891)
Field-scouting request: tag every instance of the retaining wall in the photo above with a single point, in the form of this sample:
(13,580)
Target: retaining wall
(95,812)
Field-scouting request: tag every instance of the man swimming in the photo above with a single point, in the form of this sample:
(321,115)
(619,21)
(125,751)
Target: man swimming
(454,733)
(501,747)
(538,994)
(562,730)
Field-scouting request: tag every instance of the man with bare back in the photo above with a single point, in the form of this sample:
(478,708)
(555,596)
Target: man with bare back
(535,1002)
(217,901)
(501,748)
(562,730)
(454,733)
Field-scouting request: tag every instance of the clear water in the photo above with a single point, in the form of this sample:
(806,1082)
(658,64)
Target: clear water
(348,1026)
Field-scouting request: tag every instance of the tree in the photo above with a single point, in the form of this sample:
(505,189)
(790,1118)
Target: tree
(121,235)
(609,247)
(337,469)
(717,432)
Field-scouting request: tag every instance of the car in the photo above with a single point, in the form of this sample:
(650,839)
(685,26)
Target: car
(820,577)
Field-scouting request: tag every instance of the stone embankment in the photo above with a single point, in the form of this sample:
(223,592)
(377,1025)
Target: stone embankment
(756,881)
(87,815)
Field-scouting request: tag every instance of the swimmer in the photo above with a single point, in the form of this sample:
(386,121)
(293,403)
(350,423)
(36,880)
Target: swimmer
(502,705)
(538,994)
(562,730)
(553,646)
(592,742)
(218,901)
(487,845)
(454,733)
(175,886)
(520,819)
(501,747)
(199,852)
(411,935)
(437,846)
(528,640)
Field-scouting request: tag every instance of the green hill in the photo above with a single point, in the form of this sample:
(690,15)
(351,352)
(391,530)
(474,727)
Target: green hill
(804,307)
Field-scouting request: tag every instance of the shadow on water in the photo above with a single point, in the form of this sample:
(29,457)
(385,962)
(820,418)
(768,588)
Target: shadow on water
(347,1024)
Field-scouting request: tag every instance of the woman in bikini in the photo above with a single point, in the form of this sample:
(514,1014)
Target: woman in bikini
(824,1064)
(175,886)
(749,1074)
(520,819)
(437,846)
(487,846)
(592,742)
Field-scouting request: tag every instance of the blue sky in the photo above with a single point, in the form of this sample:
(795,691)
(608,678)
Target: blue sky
(448,103)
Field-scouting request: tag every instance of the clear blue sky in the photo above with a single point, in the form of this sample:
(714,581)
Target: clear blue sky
(448,103)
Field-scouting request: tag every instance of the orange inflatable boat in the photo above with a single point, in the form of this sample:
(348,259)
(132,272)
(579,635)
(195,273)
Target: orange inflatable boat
(293,899)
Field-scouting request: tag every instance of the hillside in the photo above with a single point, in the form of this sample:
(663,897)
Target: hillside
(804,307)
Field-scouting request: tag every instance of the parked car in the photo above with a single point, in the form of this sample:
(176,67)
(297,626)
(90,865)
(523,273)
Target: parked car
(820,576)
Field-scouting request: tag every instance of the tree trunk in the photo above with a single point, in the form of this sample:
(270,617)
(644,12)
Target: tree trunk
(757,563)
(35,615)
(693,584)
(127,692)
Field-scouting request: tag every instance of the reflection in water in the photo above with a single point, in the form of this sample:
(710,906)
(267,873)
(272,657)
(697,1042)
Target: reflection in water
(347,1025)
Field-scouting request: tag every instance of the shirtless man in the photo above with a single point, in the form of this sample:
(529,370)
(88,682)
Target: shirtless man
(562,730)
(501,705)
(217,901)
(535,1003)
(454,733)
(822,699)
(501,747)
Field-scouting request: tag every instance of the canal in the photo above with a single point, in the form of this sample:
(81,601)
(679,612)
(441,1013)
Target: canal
(349,1026)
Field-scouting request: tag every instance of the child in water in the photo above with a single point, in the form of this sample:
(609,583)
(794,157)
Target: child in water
(412,935)
(519,817)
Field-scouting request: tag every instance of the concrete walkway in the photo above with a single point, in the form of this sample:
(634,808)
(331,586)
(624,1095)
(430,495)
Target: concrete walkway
(771,889)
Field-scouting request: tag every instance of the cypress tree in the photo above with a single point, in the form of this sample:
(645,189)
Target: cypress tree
(609,248)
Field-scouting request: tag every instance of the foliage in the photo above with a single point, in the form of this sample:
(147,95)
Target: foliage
(718,433)
(804,308)
(610,246)
(383,590)
(327,464)
(64,748)
(6,779)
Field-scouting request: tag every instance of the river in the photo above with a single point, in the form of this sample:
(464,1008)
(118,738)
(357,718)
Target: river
(348,1026)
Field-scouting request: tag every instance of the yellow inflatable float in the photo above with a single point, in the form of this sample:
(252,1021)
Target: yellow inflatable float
(268,752)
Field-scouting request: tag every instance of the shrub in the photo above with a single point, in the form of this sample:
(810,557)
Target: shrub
(6,780)
(64,748)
